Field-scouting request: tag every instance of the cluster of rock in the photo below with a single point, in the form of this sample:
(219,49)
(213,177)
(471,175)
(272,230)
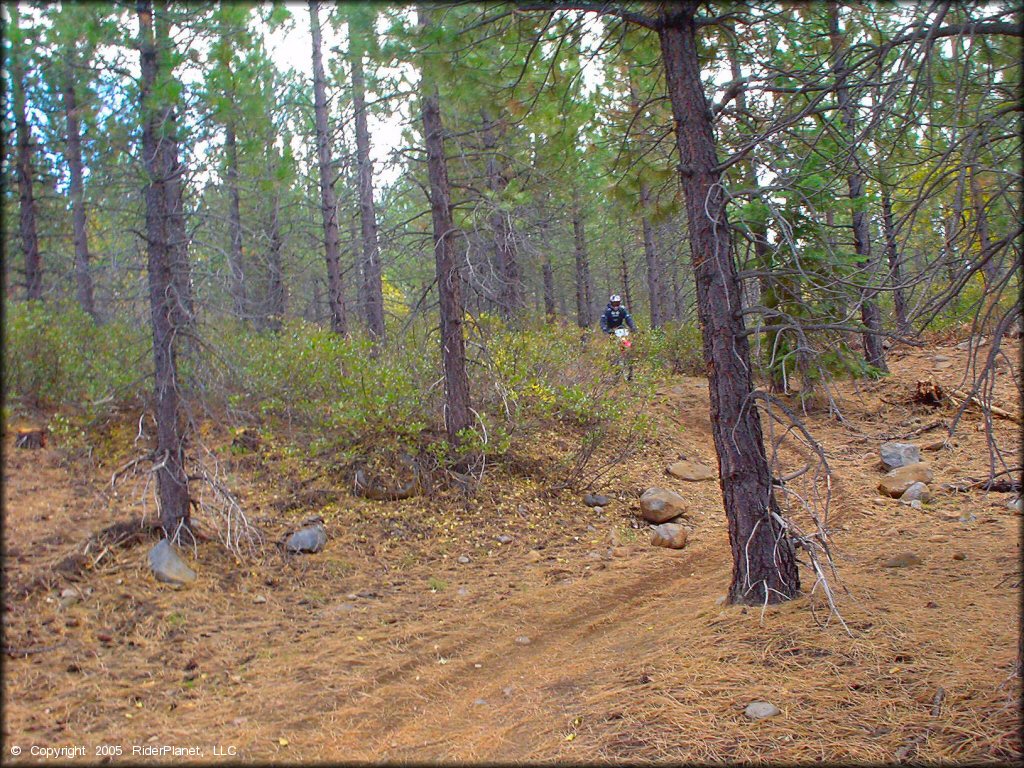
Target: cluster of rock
(906,476)
(663,508)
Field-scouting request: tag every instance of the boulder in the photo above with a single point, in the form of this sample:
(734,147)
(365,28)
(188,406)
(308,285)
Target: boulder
(168,566)
(596,500)
(670,535)
(313,538)
(691,471)
(916,492)
(659,506)
(897,481)
(899,455)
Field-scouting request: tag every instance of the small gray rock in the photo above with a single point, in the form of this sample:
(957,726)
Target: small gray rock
(596,500)
(462,592)
(480,703)
(259,599)
(899,455)
(756,710)
(523,640)
(1016,505)
(463,559)
(916,492)
(599,510)
(168,566)
(310,539)
(503,538)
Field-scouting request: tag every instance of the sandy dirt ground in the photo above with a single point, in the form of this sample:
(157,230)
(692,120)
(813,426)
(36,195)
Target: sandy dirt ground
(574,641)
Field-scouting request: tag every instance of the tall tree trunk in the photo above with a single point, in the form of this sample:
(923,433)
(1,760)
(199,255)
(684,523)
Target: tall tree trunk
(510,295)
(372,294)
(275,306)
(23,167)
(989,268)
(655,269)
(895,266)
(549,288)
(328,203)
(584,304)
(874,353)
(627,294)
(449,281)
(166,247)
(235,264)
(83,280)
(764,565)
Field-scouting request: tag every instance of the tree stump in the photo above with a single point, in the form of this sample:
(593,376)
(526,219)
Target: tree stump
(929,393)
(29,437)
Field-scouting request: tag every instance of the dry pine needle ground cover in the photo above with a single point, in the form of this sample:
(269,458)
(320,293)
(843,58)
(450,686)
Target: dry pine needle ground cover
(575,641)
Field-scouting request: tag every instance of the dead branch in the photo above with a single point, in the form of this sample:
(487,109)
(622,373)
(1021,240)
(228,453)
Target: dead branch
(994,410)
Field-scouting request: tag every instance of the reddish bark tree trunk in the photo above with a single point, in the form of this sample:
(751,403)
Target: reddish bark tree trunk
(874,353)
(23,172)
(83,280)
(328,203)
(583,289)
(764,565)
(895,266)
(449,282)
(510,299)
(235,264)
(165,245)
(372,295)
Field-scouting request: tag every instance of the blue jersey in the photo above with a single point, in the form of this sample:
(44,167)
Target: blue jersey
(614,317)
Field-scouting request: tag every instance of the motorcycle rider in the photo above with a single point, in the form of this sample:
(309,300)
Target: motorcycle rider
(615,315)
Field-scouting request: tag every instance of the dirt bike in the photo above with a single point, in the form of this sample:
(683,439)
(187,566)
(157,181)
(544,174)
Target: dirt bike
(624,360)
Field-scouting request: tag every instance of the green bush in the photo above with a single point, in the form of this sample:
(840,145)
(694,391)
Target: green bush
(56,357)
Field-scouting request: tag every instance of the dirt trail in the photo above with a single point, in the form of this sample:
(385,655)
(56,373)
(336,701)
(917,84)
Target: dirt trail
(383,647)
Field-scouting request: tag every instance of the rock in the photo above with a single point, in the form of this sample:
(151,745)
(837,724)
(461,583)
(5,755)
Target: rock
(480,703)
(670,535)
(1016,505)
(310,539)
(903,561)
(899,455)
(691,471)
(943,365)
(462,592)
(534,556)
(975,342)
(916,492)
(620,552)
(659,506)
(596,500)
(523,640)
(931,604)
(168,566)
(599,510)
(463,559)
(503,538)
(591,528)
(938,539)
(940,444)
(940,358)
(757,710)
(959,556)
(894,483)
(259,599)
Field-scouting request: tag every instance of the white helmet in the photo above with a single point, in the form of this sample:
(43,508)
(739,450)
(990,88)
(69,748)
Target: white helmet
(615,299)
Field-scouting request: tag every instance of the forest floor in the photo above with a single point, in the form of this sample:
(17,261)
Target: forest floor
(575,641)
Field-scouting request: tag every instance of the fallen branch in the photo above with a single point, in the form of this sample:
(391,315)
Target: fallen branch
(34,649)
(994,410)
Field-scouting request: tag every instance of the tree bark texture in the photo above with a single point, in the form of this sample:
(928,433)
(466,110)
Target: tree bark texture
(874,353)
(372,294)
(449,281)
(83,279)
(895,262)
(510,298)
(23,170)
(235,264)
(583,289)
(328,202)
(764,565)
(169,313)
